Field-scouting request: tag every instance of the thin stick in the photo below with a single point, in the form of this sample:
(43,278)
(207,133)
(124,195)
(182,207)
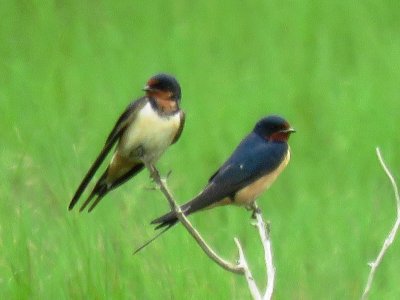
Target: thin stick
(264,231)
(193,232)
(255,293)
(392,234)
(242,266)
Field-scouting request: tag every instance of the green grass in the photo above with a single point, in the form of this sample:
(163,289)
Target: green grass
(68,70)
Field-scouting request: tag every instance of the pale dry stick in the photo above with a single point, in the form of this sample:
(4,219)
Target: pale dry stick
(186,223)
(392,234)
(255,293)
(264,231)
(242,266)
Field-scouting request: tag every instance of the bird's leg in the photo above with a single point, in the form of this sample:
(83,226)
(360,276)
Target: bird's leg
(254,208)
(153,173)
(165,178)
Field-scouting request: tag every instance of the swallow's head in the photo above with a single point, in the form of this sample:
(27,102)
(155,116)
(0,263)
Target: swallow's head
(163,86)
(274,128)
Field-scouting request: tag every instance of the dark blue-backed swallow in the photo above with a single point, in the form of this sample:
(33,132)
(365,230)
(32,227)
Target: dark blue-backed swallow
(142,133)
(250,170)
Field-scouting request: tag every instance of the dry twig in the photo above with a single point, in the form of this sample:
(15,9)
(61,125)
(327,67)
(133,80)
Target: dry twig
(255,293)
(264,230)
(186,223)
(392,234)
(241,267)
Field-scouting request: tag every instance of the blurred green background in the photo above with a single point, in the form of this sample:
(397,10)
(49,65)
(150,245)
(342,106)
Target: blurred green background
(68,69)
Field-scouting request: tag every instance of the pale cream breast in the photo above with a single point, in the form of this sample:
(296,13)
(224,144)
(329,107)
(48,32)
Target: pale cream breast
(251,192)
(151,131)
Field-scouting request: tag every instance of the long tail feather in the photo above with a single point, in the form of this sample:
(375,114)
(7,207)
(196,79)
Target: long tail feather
(152,239)
(99,190)
(99,197)
(91,173)
(102,188)
(87,201)
(170,219)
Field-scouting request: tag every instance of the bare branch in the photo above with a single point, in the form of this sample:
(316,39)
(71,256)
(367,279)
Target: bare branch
(185,222)
(242,266)
(247,273)
(264,230)
(391,178)
(392,234)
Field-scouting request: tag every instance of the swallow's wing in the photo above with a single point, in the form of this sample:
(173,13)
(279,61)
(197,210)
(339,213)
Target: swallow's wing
(251,160)
(180,129)
(127,117)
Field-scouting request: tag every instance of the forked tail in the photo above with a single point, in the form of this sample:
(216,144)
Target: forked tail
(152,239)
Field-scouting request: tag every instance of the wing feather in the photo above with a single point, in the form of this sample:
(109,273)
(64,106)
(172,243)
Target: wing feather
(126,118)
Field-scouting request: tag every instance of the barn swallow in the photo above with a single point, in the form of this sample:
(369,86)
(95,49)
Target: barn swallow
(142,133)
(249,171)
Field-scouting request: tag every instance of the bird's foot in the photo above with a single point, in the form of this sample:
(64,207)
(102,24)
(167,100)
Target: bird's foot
(253,207)
(154,173)
(156,178)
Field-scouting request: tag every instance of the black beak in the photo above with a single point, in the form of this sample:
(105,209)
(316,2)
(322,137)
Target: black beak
(147,88)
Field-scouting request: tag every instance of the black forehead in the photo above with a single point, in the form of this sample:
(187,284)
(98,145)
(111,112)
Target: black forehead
(274,121)
(163,81)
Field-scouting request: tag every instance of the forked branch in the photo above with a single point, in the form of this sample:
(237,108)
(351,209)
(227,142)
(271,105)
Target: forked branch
(241,267)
